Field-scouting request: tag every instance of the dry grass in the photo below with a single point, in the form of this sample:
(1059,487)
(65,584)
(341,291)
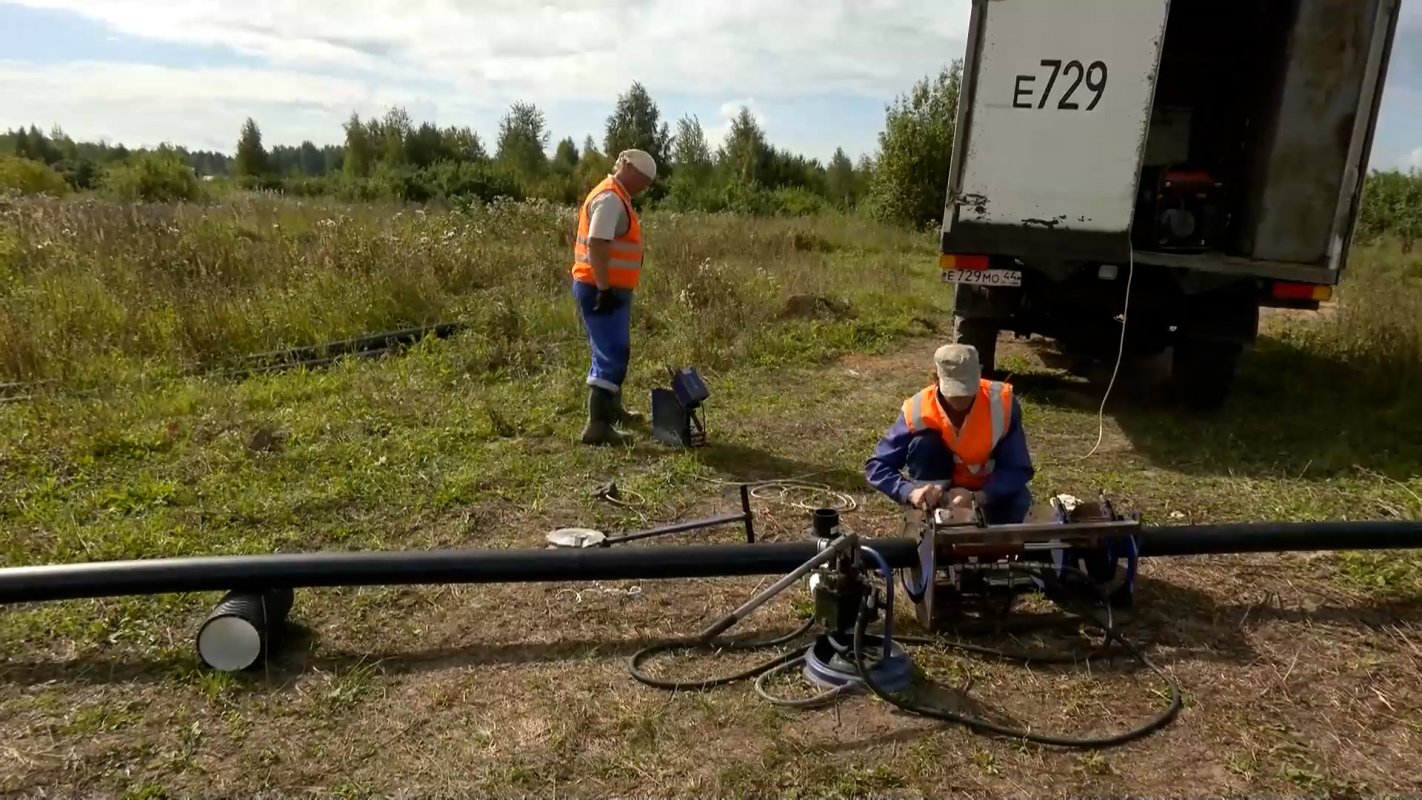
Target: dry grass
(93,292)
(1301,673)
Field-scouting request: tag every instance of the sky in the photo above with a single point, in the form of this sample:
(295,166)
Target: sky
(816,73)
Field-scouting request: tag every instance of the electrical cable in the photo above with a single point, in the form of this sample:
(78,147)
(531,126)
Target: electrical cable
(762,490)
(986,726)
(845,502)
(634,664)
(1120,356)
(822,699)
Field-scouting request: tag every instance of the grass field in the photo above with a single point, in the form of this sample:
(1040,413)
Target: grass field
(1301,673)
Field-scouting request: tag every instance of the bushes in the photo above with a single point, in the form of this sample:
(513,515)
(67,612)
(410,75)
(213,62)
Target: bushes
(30,177)
(915,151)
(158,177)
(1392,204)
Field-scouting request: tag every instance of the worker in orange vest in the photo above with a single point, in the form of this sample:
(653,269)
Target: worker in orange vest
(961,440)
(607,267)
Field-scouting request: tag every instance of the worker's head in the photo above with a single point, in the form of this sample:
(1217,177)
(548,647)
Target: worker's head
(635,170)
(958,374)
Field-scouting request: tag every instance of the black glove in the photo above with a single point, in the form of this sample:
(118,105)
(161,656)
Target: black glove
(607,302)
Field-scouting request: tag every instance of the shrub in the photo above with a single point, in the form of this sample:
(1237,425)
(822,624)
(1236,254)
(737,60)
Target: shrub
(30,177)
(158,177)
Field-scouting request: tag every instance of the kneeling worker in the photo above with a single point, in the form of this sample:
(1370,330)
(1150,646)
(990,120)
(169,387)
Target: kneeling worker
(961,439)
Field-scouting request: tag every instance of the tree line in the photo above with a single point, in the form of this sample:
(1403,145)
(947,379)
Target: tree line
(391,156)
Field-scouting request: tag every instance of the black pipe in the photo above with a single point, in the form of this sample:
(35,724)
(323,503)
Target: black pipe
(1280,537)
(252,573)
(374,341)
(296,570)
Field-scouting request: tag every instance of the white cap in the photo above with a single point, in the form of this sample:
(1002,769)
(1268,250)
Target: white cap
(958,370)
(640,160)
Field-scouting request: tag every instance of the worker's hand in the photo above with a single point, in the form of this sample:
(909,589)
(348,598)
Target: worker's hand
(606,303)
(960,498)
(926,497)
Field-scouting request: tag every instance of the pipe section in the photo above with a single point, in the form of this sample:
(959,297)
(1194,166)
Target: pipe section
(278,571)
(1279,537)
(295,570)
(241,630)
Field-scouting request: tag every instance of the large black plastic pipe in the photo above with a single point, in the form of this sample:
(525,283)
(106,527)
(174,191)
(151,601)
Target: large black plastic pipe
(374,341)
(1280,537)
(297,570)
(259,572)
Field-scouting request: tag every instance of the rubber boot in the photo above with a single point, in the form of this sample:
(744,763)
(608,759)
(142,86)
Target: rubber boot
(602,414)
(621,415)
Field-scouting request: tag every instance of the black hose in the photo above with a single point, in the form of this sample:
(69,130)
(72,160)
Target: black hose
(985,726)
(634,663)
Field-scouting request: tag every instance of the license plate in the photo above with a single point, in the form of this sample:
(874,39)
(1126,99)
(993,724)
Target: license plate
(983,277)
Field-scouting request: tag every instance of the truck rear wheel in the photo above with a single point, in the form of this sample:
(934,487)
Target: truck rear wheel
(981,334)
(1203,371)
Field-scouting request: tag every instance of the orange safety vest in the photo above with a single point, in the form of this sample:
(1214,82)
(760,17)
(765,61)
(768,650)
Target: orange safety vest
(624,257)
(972,445)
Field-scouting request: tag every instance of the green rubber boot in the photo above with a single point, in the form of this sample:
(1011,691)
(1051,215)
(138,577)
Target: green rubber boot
(602,415)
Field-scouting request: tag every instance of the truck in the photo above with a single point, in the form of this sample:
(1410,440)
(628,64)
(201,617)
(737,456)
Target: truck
(1135,176)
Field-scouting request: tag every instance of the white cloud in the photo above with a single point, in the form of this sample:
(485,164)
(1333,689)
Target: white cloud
(1414,159)
(202,107)
(566,50)
(464,62)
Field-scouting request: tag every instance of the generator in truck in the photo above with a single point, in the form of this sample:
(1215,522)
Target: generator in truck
(1170,166)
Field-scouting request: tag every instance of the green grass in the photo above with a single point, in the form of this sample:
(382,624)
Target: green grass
(469,442)
(91,292)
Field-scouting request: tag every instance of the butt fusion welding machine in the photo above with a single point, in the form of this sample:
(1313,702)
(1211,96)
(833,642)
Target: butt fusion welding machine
(966,565)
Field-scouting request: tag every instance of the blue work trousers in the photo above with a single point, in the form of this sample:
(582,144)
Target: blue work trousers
(930,461)
(609,336)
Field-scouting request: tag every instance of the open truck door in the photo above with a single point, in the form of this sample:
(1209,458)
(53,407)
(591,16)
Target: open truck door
(1182,163)
(1052,126)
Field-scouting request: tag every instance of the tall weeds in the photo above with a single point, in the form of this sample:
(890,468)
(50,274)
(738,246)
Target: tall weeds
(92,290)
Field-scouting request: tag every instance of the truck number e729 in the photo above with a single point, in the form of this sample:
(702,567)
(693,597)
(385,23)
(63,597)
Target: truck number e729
(1074,73)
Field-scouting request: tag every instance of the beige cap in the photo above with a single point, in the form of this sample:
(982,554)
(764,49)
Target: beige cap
(958,370)
(641,160)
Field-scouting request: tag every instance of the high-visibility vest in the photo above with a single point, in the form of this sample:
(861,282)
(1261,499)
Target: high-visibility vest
(973,444)
(624,257)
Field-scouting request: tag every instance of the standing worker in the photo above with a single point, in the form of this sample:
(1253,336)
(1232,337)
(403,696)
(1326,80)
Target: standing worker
(607,266)
(962,440)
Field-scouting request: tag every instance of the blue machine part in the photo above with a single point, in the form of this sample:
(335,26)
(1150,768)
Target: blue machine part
(829,664)
(690,389)
(1102,564)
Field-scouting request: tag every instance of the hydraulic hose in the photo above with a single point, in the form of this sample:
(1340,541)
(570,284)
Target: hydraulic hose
(634,664)
(986,726)
(706,640)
